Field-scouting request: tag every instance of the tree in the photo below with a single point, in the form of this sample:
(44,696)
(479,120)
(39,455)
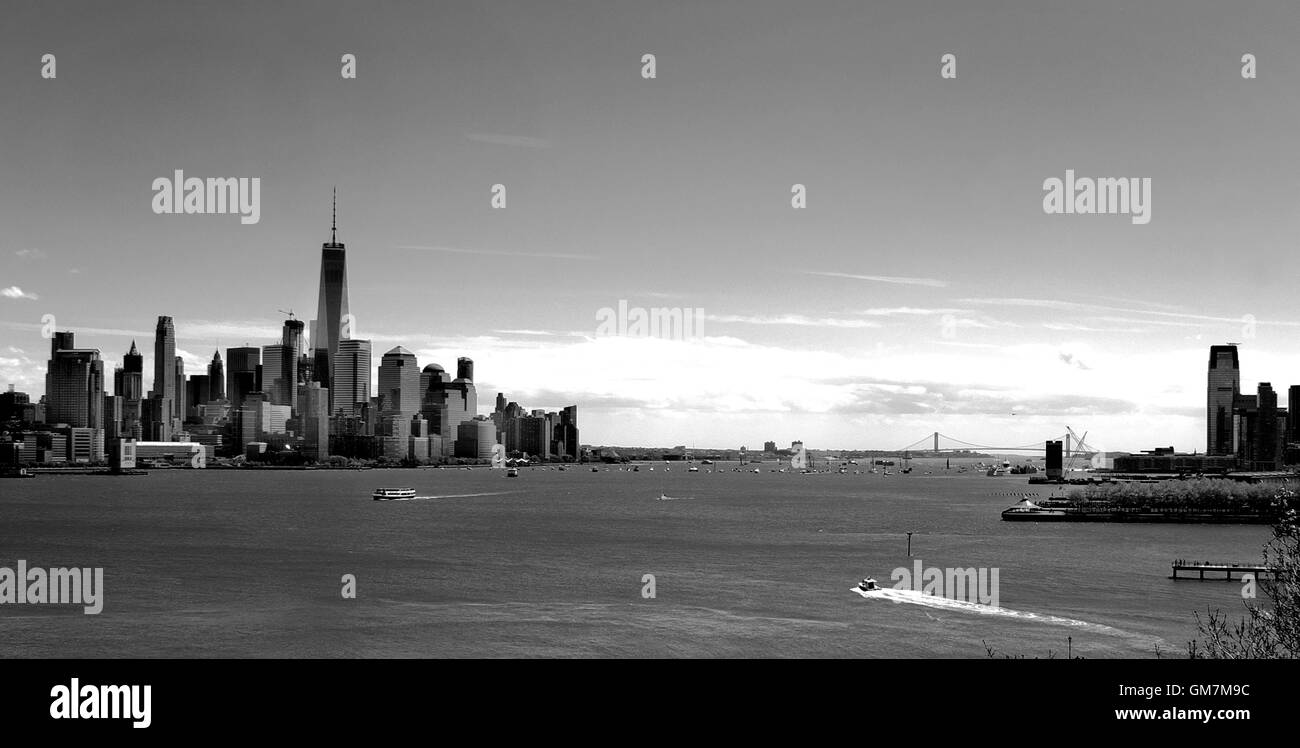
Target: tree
(1266,632)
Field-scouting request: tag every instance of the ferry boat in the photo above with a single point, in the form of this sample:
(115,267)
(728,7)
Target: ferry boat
(388,494)
(1028,510)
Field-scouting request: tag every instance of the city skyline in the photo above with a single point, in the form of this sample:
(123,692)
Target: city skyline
(923,289)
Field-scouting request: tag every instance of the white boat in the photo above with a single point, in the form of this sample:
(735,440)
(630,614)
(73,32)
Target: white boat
(512,472)
(692,469)
(388,494)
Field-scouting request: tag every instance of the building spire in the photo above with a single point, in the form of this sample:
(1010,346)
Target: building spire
(334,219)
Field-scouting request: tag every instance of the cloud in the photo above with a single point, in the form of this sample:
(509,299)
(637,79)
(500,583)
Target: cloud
(791,319)
(14,292)
(906,311)
(516,141)
(1072,327)
(498,252)
(1104,309)
(932,282)
(30,254)
(523,332)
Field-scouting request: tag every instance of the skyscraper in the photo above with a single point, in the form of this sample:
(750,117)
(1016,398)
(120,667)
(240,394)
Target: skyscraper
(1293,413)
(1222,388)
(181,403)
(291,337)
(216,377)
(61,341)
(129,380)
(243,360)
(447,404)
(75,387)
(313,412)
(164,361)
(278,370)
(1267,441)
(351,377)
(399,382)
(331,312)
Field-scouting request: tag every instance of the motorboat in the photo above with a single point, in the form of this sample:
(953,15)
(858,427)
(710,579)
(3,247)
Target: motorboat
(512,472)
(868,585)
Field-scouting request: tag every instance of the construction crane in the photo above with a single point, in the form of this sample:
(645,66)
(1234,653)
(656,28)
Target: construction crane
(286,311)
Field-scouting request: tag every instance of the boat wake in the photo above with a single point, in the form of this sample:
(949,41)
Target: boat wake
(455,496)
(916,597)
(675,498)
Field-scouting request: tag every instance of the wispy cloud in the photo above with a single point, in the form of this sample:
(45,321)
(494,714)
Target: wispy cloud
(516,141)
(523,332)
(497,252)
(1102,309)
(30,254)
(932,282)
(1073,327)
(791,319)
(14,292)
(899,311)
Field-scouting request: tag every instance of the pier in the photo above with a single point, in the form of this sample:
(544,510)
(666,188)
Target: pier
(1200,567)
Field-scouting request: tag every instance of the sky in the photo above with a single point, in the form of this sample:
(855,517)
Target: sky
(922,289)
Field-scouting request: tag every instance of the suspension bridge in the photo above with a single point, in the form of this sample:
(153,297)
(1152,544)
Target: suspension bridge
(1072,445)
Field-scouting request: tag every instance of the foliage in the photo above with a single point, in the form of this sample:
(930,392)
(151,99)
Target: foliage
(1266,631)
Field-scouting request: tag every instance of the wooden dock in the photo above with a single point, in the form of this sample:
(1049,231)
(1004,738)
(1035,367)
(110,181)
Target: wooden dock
(1227,570)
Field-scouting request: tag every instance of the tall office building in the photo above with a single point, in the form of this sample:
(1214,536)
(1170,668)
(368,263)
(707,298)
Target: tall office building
(465,369)
(331,312)
(1293,413)
(216,377)
(113,417)
(314,416)
(351,393)
(1267,440)
(128,381)
(198,391)
(294,342)
(164,361)
(447,404)
(278,371)
(181,403)
(241,373)
(1222,388)
(61,341)
(75,388)
(566,432)
(399,382)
